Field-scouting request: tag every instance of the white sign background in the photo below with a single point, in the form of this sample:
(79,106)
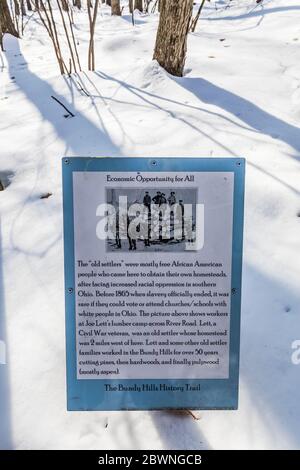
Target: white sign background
(215,191)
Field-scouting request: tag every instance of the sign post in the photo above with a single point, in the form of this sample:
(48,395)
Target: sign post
(153,260)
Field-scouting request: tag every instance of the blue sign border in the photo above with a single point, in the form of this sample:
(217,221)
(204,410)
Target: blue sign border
(90,394)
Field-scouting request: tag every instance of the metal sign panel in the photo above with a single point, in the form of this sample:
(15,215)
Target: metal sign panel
(153,261)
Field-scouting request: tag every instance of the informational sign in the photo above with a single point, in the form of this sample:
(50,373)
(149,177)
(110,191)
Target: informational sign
(153,260)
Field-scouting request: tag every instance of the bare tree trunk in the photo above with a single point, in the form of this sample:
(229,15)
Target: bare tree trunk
(17,7)
(77,3)
(6,22)
(115,7)
(49,24)
(37,4)
(65,5)
(147,4)
(23,13)
(29,6)
(195,20)
(23,9)
(138,5)
(15,14)
(74,40)
(92,23)
(171,40)
(154,6)
(131,6)
(67,34)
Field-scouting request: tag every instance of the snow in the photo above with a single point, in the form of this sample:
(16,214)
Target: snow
(240,96)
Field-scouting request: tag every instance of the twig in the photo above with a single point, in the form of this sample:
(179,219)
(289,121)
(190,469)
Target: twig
(59,102)
(45,195)
(28,19)
(191,413)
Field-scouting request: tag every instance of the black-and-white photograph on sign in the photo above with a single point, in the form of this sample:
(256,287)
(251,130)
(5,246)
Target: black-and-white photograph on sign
(166,219)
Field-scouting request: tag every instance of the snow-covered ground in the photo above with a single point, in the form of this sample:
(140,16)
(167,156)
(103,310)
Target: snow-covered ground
(240,96)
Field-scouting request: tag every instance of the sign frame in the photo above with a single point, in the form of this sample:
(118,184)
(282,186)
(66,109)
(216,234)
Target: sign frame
(87,394)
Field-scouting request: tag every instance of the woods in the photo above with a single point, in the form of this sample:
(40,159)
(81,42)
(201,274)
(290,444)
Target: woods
(171,39)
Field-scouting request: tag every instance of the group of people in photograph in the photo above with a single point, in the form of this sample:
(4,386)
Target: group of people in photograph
(154,229)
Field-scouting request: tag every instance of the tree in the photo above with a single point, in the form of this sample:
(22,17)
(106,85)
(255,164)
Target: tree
(171,40)
(23,8)
(92,24)
(65,5)
(47,19)
(23,13)
(17,8)
(138,5)
(6,22)
(147,4)
(68,37)
(195,20)
(115,7)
